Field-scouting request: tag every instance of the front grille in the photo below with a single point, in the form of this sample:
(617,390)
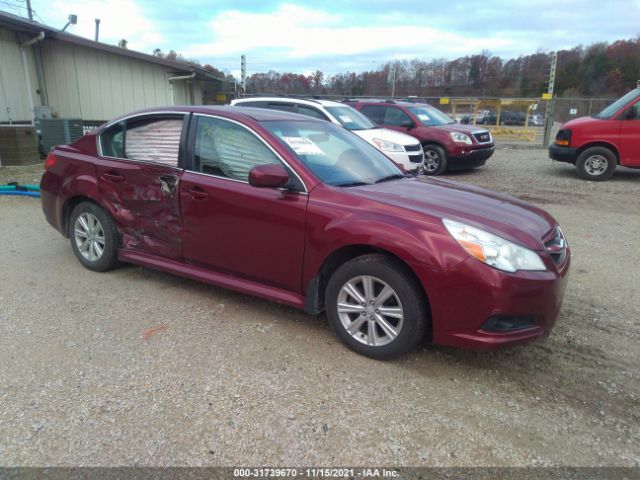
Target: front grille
(482,137)
(413,148)
(416,158)
(557,246)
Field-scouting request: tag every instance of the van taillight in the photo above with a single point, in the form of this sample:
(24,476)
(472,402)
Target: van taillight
(50,161)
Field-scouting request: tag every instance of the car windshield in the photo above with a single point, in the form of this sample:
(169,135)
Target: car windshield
(334,155)
(350,118)
(429,116)
(611,110)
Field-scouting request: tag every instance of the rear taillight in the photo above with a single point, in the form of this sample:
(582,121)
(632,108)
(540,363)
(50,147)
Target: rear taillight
(50,161)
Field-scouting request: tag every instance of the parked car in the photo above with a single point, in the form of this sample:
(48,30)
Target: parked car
(403,149)
(302,212)
(506,118)
(447,145)
(536,120)
(597,145)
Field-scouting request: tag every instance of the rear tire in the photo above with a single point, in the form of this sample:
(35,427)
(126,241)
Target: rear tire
(435,160)
(596,163)
(376,307)
(94,237)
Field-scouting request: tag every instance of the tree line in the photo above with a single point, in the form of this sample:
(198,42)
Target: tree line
(598,70)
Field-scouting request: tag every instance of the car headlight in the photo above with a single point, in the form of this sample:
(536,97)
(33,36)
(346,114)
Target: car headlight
(460,138)
(387,146)
(493,250)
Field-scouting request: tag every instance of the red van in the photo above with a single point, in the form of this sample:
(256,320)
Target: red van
(597,145)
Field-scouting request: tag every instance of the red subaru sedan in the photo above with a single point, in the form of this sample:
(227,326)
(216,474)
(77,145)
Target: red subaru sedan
(303,212)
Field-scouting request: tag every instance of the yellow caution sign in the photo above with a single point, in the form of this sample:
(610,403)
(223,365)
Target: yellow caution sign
(444,101)
(547,96)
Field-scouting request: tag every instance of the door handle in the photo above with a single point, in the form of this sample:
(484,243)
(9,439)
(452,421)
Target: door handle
(198,193)
(112,177)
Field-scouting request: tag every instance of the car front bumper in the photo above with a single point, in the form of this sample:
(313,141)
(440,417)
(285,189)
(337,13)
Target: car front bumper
(465,159)
(464,298)
(563,154)
(410,161)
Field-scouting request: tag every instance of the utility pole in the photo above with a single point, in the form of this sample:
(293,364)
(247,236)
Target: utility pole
(243,74)
(393,78)
(551,102)
(29,10)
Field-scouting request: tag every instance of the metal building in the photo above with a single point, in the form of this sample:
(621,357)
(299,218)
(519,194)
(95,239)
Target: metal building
(48,73)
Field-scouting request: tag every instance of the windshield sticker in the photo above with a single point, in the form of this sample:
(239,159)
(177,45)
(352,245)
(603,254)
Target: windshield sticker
(345,119)
(423,117)
(303,146)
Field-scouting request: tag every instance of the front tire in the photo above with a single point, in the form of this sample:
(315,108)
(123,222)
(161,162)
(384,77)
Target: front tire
(376,307)
(94,237)
(435,160)
(596,163)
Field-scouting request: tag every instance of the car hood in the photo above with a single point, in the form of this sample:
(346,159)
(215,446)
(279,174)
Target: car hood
(386,134)
(580,121)
(460,127)
(494,212)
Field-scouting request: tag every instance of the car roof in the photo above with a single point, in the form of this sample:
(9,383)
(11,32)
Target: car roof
(299,101)
(257,114)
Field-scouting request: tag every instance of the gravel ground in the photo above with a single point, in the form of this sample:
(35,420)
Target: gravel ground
(136,367)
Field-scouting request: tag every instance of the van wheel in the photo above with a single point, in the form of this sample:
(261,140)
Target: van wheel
(375,306)
(596,163)
(435,160)
(94,237)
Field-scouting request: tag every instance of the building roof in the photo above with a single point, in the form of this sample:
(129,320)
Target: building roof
(23,25)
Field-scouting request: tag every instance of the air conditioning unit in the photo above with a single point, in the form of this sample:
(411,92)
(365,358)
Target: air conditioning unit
(57,131)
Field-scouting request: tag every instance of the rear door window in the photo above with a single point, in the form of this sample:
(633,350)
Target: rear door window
(395,117)
(311,112)
(154,140)
(284,106)
(374,112)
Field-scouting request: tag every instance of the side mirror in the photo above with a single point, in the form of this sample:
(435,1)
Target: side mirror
(271,175)
(407,124)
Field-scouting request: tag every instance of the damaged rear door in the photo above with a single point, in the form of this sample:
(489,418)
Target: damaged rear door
(138,172)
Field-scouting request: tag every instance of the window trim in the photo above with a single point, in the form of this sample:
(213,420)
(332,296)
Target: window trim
(186,122)
(189,164)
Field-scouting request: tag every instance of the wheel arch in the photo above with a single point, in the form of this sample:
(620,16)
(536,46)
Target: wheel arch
(314,301)
(602,144)
(68,206)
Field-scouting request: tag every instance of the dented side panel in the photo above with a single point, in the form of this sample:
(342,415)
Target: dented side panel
(143,199)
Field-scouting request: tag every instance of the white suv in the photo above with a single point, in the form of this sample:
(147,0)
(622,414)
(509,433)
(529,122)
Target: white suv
(403,149)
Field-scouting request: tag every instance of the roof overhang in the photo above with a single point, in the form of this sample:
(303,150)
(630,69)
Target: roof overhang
(22,25)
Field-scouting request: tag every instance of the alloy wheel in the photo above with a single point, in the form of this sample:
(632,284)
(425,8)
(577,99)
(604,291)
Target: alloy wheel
(431,161)
(596,165)
(370,311)
(89,236)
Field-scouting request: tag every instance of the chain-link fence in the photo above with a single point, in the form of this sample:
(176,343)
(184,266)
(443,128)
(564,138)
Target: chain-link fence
(521,120)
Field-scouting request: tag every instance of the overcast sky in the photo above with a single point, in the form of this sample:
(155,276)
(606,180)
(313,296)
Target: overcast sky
(341,35)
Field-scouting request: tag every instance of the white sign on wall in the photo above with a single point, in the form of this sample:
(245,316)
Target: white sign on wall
(573,111)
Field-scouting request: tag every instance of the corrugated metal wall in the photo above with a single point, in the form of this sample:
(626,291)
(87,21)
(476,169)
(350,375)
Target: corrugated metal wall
(95,85)
(14,96)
